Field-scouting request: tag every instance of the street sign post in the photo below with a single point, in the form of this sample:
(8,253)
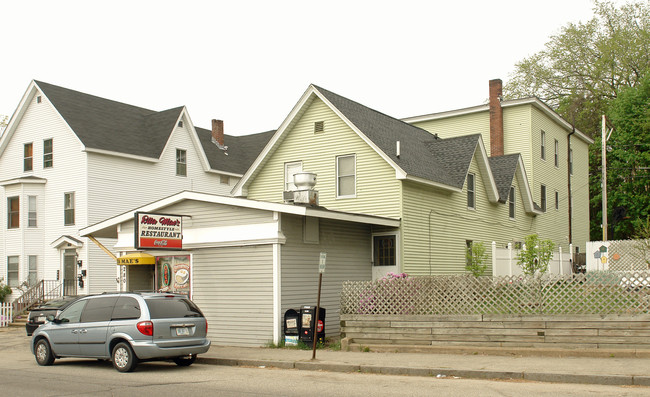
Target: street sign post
(321,270)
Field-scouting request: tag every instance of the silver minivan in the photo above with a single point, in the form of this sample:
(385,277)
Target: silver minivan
(125,328)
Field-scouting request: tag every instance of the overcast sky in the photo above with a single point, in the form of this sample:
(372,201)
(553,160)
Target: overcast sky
(248,62)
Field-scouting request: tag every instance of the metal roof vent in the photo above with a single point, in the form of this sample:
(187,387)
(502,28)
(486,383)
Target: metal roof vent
(305,193)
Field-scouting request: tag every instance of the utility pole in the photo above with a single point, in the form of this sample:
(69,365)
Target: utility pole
(605,138)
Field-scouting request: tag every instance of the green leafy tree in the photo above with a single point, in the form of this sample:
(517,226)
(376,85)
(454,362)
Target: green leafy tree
(642,237)
(476,259)
(582,70)
(628,162)
(535,255)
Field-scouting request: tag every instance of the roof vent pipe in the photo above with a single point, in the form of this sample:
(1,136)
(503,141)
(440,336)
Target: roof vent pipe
(398,149)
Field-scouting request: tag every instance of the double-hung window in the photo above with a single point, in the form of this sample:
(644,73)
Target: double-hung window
(346,176)
(12,271)
(32,278)
(291,169)
(181,162)
(31,211)
(48,154)
(13,212)
(28,158)
(471,191)
(543,197)
(557,153)
(68,205)
(543,144)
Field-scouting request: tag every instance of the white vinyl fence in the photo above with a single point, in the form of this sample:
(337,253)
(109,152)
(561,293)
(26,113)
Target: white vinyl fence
(504,261)
(6,314)
(617,255)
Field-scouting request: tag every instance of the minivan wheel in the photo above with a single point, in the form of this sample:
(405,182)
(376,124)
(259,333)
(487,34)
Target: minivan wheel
(43,352)
(124,360)
(185,361)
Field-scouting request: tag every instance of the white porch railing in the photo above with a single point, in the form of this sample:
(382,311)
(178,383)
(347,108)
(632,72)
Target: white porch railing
(6,314)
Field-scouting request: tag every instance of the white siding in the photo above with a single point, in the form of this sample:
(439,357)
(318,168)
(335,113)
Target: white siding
(233,286)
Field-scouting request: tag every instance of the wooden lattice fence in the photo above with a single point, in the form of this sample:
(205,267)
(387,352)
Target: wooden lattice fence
(598,293)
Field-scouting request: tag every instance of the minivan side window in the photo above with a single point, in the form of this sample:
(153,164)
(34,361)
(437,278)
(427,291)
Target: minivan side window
(126,308)
(98,309)
(73,313)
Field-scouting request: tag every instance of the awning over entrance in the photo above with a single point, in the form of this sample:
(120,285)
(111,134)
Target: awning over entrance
(137,258)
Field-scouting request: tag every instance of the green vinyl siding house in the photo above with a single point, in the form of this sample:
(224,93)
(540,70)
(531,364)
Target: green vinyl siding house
(442,177)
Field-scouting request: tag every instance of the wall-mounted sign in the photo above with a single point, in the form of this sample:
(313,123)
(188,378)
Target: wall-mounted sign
(136,258)
(158,231)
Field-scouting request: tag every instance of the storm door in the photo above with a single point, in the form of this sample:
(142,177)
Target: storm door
(70,272)
(384,255)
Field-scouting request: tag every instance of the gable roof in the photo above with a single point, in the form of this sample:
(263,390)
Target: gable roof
(423,157)
(242,150)
(505,169)
(112,127)
(532,101)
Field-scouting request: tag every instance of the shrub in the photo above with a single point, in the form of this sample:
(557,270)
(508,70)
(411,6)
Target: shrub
(5,291)
(535,256)
(476,259)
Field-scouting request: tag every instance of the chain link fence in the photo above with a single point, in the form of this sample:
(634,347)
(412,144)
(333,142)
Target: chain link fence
(598,293)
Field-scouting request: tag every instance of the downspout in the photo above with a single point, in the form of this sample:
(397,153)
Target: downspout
(568,168)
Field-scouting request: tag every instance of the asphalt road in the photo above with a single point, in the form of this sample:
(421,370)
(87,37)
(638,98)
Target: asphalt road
(21,376)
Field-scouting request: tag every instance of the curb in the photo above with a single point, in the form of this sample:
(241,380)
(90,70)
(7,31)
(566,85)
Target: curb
(610,380)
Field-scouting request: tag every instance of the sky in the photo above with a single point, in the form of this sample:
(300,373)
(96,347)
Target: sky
(249,62)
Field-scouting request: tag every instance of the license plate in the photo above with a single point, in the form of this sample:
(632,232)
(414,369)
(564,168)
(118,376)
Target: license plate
(182,331)
(41,319)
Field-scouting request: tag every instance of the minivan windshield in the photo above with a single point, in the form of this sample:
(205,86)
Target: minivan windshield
(172,308)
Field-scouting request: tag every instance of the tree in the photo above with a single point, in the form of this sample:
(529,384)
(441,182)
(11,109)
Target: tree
(535,255)
(628,162)
(476,258)
(582,70)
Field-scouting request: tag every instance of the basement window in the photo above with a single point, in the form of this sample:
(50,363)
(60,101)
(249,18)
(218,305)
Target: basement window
(319,126)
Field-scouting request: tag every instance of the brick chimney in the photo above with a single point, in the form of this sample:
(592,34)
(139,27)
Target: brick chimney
(496,118)
(217,132)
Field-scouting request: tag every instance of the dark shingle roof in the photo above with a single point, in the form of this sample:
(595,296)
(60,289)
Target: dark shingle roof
(112,126)
(503,169)
(422,154)
(118,127)
(242,150)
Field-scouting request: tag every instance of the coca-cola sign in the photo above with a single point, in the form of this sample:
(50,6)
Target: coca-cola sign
(158,231)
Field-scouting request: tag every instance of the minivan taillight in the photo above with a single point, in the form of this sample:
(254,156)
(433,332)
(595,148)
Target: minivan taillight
(145,328)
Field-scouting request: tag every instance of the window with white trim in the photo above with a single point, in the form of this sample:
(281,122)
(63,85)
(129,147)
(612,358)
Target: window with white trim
(557,153)
(13,212)
(31,211)
(181,162)
(471,191)
(511,202)
(290,169)
(12,271)
(346,176)
(68,211)
(48,153)
(557,200)
(32,277)
(384,250)
(28,158)
(543,197)
(543,144)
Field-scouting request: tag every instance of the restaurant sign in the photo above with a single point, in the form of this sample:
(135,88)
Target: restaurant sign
(158,231)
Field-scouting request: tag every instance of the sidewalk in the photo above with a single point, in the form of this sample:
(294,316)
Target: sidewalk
(589,368)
